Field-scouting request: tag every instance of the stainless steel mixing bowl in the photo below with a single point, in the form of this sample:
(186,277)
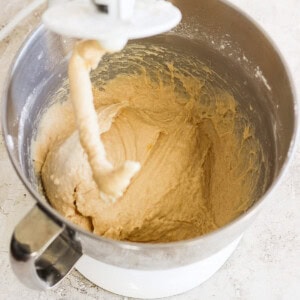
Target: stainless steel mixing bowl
(45,246)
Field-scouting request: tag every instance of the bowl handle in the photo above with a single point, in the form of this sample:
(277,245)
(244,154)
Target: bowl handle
(42,252)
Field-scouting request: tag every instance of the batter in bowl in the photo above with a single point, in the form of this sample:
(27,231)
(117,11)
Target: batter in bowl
(196,160)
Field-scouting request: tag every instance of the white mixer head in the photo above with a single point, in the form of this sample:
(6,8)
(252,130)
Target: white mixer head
(112,22)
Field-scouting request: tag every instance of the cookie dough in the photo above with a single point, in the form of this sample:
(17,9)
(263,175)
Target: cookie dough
(199,158)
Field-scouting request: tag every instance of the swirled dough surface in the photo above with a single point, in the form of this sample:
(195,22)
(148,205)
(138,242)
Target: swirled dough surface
(200,161)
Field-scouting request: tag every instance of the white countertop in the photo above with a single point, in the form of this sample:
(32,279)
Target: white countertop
(266,264)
